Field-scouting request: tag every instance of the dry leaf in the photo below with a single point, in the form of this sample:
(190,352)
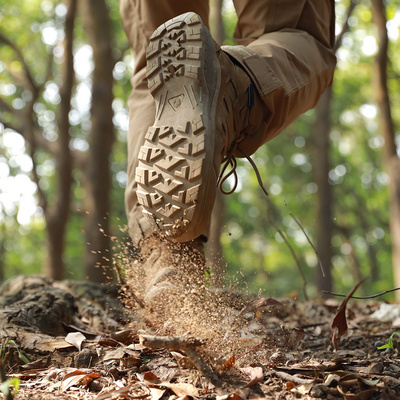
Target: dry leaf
(256,375)
(156,393)
(339,324)
(149,377)
(228,364)
(289,385)
(127,336)
(76,339)
(71,379)
(114,394)
(182,389)
(304,388)
(57,344)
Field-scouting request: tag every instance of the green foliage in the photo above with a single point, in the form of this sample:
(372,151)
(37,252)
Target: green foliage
(391,344)
(4,353)
(6,386)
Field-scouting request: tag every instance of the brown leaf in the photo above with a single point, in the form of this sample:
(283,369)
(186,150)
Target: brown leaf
(289,385)
(73,378)
(126,336)
(339,324)
(228,364)
(149,377)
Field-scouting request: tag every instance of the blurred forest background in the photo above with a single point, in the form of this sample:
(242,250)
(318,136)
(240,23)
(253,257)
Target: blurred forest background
(64,81)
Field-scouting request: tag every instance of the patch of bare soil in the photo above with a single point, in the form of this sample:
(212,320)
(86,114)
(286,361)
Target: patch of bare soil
(74,340)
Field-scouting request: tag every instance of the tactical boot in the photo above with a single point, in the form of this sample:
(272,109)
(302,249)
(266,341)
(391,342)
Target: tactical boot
(205,104)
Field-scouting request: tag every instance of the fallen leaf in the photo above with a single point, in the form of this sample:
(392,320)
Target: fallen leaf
(182,389)
(126,337)
(256,375)
(76,339)
(149,377)
(290,385)
(57,344)
(156,393)
(339,324)
(71,379)
(114,394)
(304,388)
(228,364)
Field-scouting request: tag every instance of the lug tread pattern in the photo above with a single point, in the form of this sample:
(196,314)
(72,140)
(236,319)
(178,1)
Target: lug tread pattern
(172,159)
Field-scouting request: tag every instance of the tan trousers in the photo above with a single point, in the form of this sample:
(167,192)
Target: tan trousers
(284,45)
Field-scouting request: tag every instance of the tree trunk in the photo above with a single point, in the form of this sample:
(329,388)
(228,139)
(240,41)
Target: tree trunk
(390,157)
(97,170)
(321,131)
(324,228)
(57,216)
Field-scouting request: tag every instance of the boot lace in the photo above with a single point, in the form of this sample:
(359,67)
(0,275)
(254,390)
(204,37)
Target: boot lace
(230,160)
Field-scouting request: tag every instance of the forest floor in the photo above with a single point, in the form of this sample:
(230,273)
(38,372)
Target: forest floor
(74,340)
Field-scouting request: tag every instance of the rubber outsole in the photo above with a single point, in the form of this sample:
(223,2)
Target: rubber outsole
(175,175)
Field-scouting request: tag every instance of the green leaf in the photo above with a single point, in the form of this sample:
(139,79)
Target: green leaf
(5,386)
(20,354)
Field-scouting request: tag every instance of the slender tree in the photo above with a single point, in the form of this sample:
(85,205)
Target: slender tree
(97,25)
(56,212)
(321,131)
(390,152)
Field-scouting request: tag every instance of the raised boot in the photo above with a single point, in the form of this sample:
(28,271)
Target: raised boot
(205,105)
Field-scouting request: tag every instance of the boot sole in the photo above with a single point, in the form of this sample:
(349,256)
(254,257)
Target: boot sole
(175,175)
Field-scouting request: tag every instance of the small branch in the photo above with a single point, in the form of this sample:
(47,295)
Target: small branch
(21,58)
(293,255)
(311,244)
(171,342)
(345,27)
(292,378)
(203,367)
(5,106)
(186,343)
(361,297)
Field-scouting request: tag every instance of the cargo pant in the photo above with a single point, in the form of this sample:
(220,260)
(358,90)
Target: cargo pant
(284,45)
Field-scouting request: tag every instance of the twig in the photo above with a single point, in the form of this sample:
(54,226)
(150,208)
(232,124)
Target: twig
(171,342)
(186,343)
(202,366)
(345,27)
(303,277)
(311,244)
(292,378)
(28,75)
(361,297)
